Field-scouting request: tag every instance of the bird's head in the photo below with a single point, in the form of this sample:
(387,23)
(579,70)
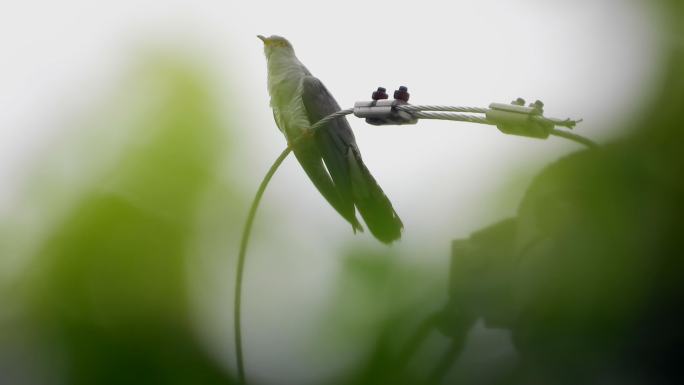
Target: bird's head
(276,45)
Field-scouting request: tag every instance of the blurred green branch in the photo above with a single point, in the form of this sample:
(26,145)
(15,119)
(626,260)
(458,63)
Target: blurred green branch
(246,231)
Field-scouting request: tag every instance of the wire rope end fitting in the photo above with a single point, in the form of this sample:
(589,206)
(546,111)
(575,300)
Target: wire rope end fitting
(516,119)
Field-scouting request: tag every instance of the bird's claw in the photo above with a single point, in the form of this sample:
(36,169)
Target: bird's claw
(308,134)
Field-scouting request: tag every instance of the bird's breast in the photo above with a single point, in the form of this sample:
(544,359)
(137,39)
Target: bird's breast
(288,109)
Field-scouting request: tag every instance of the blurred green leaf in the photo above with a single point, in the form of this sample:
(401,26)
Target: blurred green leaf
(108,287)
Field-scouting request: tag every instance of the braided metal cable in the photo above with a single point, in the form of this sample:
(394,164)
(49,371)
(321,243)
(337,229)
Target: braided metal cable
(415,108)
(452,116)
(330,117)
(447,113)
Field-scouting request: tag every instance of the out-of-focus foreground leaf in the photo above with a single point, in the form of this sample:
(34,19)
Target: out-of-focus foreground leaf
(105,298)
(588,276)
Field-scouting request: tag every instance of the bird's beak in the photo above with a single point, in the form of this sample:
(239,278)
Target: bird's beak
(262,38)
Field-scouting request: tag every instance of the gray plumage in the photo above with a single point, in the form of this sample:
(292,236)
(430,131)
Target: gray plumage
(330,157)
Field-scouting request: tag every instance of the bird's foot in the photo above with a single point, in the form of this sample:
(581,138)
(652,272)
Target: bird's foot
(304,136)
(307,134)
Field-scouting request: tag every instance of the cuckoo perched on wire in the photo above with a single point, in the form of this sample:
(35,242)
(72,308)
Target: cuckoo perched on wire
(299,100)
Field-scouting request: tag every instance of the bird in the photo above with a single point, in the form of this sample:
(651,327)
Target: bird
(329,155)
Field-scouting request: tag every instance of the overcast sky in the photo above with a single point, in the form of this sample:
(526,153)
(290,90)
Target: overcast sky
(588,59)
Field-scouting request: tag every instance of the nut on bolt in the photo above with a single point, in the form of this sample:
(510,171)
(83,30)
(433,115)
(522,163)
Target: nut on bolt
(380,93)
(538,106)
(402,94)
(518,102)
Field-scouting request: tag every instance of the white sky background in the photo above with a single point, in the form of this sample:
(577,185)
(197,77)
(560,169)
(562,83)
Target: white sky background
(590,59)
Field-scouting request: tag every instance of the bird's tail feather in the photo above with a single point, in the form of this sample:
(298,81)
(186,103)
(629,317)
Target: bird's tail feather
(374,206)
(311,162)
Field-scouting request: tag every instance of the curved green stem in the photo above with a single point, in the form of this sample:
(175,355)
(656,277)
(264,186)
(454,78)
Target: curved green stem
(246,231)
(445,363)
(424,329)
(574,137)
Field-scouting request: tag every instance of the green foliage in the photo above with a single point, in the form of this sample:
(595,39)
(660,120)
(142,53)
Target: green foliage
(108,287)
(588,276)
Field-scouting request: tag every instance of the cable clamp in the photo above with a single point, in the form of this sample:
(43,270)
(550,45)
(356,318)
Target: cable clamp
(383,112)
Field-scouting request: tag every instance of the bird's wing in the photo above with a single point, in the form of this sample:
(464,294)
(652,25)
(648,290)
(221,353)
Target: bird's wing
(276,117)
(309,156)
(342,157)
(333,139)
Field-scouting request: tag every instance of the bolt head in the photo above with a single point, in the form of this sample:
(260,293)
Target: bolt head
(402,94)
(538,106)
(381,93)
